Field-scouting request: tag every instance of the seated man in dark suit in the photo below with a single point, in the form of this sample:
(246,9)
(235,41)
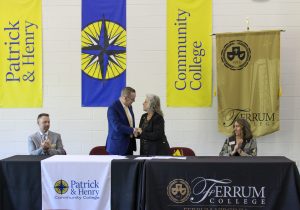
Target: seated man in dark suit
(45,142)
(121,126)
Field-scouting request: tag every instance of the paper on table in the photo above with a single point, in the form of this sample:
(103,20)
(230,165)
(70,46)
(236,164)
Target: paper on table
(83,158)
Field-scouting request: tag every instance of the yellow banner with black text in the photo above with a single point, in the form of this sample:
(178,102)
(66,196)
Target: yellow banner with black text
(20,53)
(189,53)
(248,72)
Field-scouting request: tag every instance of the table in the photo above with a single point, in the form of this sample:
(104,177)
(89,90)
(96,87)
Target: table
(20,179)
(127,178)
(77,182)
(241,183)
(209,183)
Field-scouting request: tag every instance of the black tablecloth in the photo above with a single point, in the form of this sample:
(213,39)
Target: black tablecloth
(171,184)
(127,184)
(227,183)
(20,179)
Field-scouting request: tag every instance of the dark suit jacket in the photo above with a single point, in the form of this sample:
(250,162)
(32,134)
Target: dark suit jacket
(153,138)
(119,130)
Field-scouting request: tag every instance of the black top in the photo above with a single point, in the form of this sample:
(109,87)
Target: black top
(154,129)
(153,138)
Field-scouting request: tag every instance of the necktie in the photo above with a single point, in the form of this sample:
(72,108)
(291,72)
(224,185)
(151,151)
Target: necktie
(129,117)
(44,137)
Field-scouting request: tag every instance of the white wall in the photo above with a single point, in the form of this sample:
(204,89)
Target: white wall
(84,128)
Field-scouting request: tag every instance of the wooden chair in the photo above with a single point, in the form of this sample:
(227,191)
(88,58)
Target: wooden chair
(182,151)
(99,150)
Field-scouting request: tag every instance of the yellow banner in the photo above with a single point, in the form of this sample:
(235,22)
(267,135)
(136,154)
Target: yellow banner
(189,53)
(248,71)
(21,53)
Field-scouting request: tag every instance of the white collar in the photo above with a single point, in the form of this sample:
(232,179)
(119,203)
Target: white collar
(44,133)
(124,106)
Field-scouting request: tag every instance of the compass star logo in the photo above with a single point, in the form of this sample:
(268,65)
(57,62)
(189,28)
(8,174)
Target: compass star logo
(61,187)
(103,49)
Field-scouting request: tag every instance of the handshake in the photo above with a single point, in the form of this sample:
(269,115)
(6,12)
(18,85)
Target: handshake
(137,132)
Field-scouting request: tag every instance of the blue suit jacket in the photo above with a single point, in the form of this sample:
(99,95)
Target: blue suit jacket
(119,130)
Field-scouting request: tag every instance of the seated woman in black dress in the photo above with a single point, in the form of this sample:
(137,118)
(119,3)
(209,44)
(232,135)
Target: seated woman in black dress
(152,128)
(241,143)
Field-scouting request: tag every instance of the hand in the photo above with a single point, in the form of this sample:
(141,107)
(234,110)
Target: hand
(236,147)
(46,145)
(135,132)
(140,131)
(234,150)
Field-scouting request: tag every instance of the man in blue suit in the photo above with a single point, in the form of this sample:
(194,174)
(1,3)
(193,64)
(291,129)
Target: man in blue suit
(121,125)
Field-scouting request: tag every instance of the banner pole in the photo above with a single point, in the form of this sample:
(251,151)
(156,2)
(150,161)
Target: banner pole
(281,30)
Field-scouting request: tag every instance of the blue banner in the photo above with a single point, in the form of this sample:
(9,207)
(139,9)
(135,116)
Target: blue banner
(103,51)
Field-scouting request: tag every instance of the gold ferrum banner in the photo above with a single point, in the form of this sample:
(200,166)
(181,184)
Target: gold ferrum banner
(20,53)
(248,74)
(189,53)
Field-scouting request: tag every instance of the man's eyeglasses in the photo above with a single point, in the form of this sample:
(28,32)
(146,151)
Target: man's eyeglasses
(131,99)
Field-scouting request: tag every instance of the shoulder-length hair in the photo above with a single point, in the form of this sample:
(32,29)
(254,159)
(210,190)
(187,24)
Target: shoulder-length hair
(246,128)
(154,104)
